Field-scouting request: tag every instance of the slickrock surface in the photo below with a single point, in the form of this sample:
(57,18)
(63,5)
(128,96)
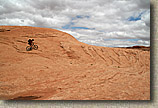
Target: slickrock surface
(65,69)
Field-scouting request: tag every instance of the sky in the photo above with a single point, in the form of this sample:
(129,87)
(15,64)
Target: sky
(109,23)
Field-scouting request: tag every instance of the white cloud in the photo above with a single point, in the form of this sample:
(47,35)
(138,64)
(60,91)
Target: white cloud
(106,19)
(146,18)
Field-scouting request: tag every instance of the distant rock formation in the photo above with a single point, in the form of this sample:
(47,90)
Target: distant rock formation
(144,48)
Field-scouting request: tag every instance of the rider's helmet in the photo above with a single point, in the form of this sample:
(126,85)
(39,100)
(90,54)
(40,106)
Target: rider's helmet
(29,40)
(32,39)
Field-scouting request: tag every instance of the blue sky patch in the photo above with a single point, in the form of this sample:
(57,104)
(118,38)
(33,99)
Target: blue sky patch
(132,18)
(81,16)
(133,39)
(68,26)
(80,28)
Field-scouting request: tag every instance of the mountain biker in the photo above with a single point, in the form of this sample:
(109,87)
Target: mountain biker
(30,41)
(32,46)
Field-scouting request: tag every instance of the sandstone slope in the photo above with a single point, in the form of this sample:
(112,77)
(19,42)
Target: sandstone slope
(65,69)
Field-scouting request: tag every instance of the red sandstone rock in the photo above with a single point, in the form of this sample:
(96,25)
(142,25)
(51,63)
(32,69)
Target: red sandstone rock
(65,69)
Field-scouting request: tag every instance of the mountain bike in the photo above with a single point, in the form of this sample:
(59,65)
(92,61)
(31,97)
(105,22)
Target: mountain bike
(29,48)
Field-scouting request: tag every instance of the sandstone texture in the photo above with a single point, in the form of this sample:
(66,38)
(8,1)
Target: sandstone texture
(65,69)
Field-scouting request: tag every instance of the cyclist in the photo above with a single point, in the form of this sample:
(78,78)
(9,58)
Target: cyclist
(30,41)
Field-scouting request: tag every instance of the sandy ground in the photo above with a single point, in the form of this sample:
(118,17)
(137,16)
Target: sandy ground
(65,69)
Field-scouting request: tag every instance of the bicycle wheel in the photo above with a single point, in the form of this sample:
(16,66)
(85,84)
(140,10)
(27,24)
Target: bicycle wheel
(35,47)
(28,48)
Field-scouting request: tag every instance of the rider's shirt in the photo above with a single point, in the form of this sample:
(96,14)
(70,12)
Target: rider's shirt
(30,42)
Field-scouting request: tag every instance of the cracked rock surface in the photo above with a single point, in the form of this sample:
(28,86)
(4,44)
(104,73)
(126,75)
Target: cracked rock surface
(65,69)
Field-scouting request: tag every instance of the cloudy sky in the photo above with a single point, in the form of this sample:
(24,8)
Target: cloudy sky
(110,23)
